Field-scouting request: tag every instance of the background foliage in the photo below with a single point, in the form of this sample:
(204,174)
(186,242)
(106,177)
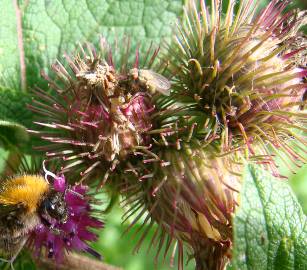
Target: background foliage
(31,43)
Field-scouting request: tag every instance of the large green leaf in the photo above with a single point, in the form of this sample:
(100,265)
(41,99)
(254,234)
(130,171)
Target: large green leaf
(270,227)
(12,135)
(47,29)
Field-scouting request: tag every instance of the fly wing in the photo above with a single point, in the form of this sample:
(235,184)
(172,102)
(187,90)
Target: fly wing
(161,83)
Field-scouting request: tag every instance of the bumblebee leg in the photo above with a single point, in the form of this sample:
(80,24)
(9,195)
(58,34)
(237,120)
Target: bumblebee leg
(7,262)
(12,260)
(22,244)
(4,260)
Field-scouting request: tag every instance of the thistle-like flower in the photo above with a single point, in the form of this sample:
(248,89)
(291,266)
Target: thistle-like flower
(74,235)
(100,113)
(192,199)
(241,70)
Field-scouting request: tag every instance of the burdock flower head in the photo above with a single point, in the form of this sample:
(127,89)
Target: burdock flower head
(241,71)
(192,199)
(57,238)
(100,111)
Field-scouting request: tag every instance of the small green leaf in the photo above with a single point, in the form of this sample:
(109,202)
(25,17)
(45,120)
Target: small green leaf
(15,118)
(12,135)
(13,107)
(269,227)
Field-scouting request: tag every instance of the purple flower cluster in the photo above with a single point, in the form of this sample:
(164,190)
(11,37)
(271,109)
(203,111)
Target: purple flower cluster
(73,234)
(138,111)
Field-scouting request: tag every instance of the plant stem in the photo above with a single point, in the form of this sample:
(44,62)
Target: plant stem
(210,255)
(74,261)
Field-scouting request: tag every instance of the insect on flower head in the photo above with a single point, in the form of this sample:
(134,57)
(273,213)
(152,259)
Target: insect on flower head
(57,237)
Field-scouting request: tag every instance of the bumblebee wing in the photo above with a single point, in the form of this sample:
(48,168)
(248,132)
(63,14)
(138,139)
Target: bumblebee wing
(162,84)
(12,237)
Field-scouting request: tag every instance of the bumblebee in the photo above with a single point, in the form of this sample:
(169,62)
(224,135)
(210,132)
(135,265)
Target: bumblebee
(25,202)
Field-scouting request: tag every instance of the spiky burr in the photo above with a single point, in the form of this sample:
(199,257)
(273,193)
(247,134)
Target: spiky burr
(192,199)
(243,71)
(98,112)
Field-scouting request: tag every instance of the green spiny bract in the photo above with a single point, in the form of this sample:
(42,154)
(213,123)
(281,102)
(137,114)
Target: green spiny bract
(242,72)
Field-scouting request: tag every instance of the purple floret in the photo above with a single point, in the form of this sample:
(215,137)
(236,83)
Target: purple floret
(73,235)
